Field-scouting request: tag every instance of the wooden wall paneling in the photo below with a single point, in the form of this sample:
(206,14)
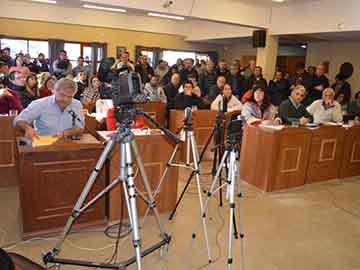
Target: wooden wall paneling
(326,153)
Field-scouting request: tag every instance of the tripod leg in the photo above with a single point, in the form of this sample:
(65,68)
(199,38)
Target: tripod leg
(152,203)
(241,219)
(187,148)
(197,176)
(132,205)
(231,188)
(76,210)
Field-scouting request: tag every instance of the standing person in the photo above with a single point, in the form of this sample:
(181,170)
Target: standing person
(341,86)
(161,69)
(239,84)
(319,84)
(172,89)
(62,66)
(188,69)
(125,62)
(208,78)
(278,89)
(5,57)
(31,92)
(257,78)
(42,63)
(249,70)
(30,64)
(222,69)
(258,108)
(167,77)
(179,64)
(80,66)
(144,69)
(301,77)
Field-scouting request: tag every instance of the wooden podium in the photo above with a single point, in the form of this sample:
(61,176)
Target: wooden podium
(51,180)
(8,176)
(351,156)
(275,159)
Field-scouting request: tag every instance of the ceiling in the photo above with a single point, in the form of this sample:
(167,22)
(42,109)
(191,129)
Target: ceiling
(274,4)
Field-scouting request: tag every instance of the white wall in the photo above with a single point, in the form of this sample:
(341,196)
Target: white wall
(336,53)
(231,52)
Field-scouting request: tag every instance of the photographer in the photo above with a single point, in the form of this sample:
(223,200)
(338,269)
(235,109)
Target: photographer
(62,66)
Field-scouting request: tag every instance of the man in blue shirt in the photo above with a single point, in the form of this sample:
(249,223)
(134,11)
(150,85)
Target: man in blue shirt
(58,115)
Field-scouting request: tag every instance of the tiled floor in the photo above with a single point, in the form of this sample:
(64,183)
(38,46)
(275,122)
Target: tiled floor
(315,227)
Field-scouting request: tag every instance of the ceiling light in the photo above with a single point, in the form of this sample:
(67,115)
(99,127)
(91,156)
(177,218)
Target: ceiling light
(45,1)
(104,8)
(278,1)
(304,46)
(166,16)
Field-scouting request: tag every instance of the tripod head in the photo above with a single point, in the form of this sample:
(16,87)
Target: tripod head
(234,132)
(188,119)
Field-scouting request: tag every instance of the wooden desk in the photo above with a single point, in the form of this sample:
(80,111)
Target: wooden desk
(157,110)
(203,124)
(326,153)
(155,151)
(8,176)
(351,155)
(275,159)
(51,180)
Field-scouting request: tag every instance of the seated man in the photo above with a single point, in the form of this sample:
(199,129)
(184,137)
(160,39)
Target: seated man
(189,99)
(354,106)
(153,89)
(326,109)
(217,89)
(52,115)
(227,102)
(292,110)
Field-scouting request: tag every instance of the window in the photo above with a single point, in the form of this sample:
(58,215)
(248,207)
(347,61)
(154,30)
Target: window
(32,47)
(73,52)
(172,56)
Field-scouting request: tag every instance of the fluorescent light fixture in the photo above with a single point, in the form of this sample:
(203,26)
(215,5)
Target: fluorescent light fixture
(278,1)
(105,8)
(45,1)
(304,46)
(166,16)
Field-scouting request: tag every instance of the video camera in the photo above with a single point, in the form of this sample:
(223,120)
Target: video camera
(126,85)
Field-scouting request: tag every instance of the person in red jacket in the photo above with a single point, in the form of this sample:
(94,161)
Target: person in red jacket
(48,87)
(9,100)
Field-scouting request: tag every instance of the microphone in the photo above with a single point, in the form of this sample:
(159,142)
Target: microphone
(75,117)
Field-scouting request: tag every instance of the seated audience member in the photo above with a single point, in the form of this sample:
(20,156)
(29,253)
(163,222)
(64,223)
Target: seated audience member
(62,67)
(42,63)
(301,77)
(278,89)
(354,106)
(16,81)
(207,78)
(257,78)
(125,62)
(20,66)
(82,83)
(4,72)
(30,64)
(42,77)
(222,69)
(31,92)
(172,89)
(5,57)
(258,108)
(153,89)
(92,92)
(226,101)
(292,109)
(9,100)
(48,88)
(326,109)
(188,70)
(48,116)
(343,87)
(319,83)
(239,84)
(188,99)
(217,89)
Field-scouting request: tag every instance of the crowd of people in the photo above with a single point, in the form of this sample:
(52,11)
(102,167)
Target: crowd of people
(303,97)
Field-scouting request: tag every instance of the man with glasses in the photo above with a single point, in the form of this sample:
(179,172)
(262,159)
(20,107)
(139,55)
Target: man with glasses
(292,110)
(53,115)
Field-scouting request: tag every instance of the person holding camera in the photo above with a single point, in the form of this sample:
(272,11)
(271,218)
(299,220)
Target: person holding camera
(62,66)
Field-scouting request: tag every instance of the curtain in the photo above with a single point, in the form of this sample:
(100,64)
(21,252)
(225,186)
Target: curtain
(55,46)
(157,56)
(98,52)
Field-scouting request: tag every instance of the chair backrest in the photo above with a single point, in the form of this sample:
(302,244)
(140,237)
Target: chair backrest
(22,263)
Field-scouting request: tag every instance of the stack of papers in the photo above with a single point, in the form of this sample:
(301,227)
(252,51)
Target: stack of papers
(276,127)
(44,140)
